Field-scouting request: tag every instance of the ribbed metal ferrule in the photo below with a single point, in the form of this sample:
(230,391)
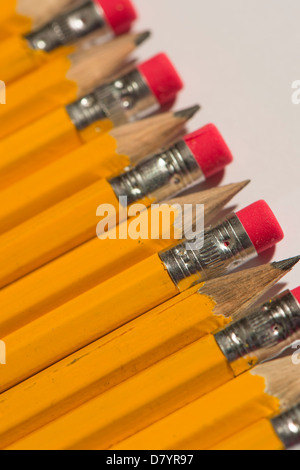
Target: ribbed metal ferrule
(69,27)
(225,247)
(263,333)
(124,100)
(287,427)
(160,176)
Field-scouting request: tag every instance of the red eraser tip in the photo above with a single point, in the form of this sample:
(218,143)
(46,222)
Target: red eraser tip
(296,294)
(261,225)
(209,149)
(162,78)
(119,14)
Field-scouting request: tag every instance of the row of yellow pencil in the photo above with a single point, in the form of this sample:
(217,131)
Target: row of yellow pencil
(112,342)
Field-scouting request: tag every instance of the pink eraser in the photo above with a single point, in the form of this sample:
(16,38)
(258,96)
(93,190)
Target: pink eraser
(162,78)
(296,294)
(120,14)
(209,149)
(261,225)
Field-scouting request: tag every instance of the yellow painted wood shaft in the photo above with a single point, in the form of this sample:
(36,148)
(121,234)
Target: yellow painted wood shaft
(138,402)
(13,21)
(60,180)
(19,59)
(37,145)
(85,319)
(42,142)
(106,363)
(259,436)
(53,232)
(37,94)
(8,9)
(80,270)
(210,419)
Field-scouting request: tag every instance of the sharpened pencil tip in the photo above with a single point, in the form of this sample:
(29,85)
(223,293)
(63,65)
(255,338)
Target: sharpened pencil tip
(245,183)
(188,113)
(235,188)
(287,264)
(142,37)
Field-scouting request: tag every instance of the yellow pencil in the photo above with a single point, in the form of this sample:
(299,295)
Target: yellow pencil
(20,16)
(62,81)
(279,433)
(135,291)
(104,157)
(267,390)
(126,99)
(131,349)
(70,223)
(167,394)
(20,55)
(98,260)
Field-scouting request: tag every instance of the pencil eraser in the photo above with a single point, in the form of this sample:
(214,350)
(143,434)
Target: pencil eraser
(162,78)
(209,149)
(120,14)
(296,294)
(261,225)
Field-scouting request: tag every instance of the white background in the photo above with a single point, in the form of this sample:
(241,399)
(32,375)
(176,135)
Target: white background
(239,60)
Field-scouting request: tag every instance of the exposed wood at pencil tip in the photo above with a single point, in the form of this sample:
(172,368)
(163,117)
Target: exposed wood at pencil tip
(126,67)
(282,378)
(224,194)
(141,138)
(236,292)
(218,196)
(93,65)
(213,199)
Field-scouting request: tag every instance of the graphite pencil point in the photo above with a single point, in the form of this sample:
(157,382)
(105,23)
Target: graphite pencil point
(188,113)
(287,264)
(243,184)
(142,37)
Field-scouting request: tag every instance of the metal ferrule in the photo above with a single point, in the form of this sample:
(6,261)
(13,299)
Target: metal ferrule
(69,27)
(287,427)
(225,247)
(125,100)
(160,176)
(262,334)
